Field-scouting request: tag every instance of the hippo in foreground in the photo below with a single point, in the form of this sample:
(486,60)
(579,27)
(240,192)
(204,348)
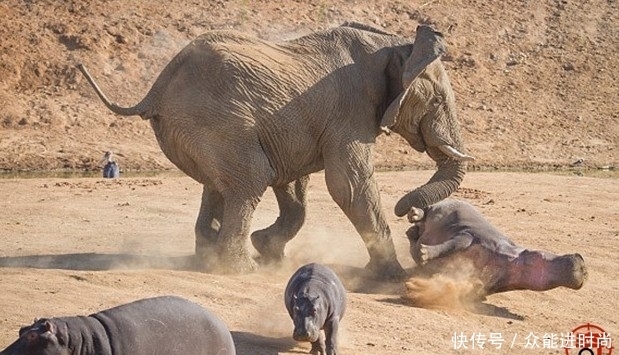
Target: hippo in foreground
(162,325)
(316,300)
(450,233)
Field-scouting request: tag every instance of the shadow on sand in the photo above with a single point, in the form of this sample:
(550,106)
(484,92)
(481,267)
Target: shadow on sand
(480,307)
(250,343)
(359,280)
(101,262)
(355,279)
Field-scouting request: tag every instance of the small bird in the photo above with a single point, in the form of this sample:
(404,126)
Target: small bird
(110,170)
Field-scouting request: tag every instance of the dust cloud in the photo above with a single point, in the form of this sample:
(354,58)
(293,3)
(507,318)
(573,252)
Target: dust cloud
(336,245)
(456,288)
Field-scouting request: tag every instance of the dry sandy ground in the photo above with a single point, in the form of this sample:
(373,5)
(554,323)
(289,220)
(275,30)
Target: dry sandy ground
(76,246)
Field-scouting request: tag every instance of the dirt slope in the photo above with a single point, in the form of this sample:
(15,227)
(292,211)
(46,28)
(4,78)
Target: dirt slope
(536,82)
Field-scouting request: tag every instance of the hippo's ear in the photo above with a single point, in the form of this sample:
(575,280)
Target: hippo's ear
(51,332)
(60,331)
(49,327)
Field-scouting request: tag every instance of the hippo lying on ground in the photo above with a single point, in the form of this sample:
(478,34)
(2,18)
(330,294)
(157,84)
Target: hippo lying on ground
(163,325)
(315,299)
(451,232)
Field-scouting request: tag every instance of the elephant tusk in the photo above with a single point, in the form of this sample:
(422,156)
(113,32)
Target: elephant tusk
(454,153)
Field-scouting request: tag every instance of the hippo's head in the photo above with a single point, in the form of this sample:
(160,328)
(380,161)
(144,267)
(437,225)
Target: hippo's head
(307,316)
(40,338)
(540,271)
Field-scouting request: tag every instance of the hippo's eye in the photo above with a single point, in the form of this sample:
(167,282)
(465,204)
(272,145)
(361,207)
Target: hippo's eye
(31,336)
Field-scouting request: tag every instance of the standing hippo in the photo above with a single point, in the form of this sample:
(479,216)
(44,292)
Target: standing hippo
(315,299)
(163,325)
(452,231)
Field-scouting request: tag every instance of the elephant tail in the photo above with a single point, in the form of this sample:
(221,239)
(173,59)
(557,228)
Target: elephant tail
(137,110)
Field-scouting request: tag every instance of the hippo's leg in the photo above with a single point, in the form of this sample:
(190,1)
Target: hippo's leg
(292,200)
(458,242)
(415,215)
(318,347)
(331,329)
(413,233)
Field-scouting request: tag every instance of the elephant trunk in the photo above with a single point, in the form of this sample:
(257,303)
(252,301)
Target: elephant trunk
(442,184)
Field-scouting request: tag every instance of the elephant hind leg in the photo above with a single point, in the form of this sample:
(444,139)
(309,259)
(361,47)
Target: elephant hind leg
(292,201)
(223,226)
(207,226)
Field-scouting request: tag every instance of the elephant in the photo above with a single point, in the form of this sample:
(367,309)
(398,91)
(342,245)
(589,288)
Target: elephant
(239,114)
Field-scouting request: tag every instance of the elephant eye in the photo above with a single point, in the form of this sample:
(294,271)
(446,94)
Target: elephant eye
(436,102)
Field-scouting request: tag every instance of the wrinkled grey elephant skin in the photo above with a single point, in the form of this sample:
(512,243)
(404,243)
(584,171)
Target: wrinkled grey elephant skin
(239,114)
(453,232)
(162,325)
(316,301)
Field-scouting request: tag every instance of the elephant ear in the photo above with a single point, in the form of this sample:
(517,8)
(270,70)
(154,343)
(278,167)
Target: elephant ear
(429,46)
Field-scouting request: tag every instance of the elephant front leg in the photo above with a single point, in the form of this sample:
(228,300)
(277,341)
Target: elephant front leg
(356,192)
(207,227)
(271,241)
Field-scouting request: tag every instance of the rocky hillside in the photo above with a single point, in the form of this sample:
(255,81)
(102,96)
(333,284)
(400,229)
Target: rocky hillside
(536,81)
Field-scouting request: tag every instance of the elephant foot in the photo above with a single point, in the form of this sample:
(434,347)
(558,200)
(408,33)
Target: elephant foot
(236,265)
(234,261)
(386,270)
(270,247)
